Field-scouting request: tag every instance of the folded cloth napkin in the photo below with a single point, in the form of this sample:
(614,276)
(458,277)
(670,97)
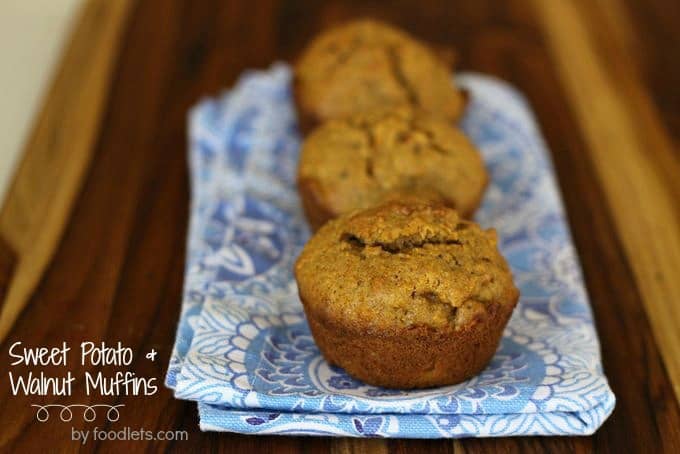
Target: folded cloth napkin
(244,351)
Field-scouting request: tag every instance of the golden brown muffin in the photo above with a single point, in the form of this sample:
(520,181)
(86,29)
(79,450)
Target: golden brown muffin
(365,64)
(356,162)
(405,294)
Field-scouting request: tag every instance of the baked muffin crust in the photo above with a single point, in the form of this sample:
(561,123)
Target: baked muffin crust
(357,162)
(366,64)
(406,294)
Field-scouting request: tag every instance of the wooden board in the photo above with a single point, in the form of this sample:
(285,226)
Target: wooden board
(602,78)
(47,181)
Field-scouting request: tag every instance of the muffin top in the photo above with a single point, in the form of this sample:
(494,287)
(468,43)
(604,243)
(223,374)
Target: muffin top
(401,265)
(354,163)
(366,64)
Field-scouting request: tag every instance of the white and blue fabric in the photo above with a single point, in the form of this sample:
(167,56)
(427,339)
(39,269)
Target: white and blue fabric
(244,351)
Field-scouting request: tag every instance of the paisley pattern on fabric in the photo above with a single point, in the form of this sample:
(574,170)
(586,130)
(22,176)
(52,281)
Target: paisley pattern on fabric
(244,351)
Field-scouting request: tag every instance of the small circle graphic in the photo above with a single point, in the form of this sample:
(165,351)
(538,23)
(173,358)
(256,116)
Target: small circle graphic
(42,413)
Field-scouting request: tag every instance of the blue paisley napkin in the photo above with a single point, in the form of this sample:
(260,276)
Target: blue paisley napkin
(244,351)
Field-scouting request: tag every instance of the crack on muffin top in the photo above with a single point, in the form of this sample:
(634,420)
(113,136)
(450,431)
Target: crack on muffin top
(342,55)
(399,245)
(370,141)
(405,264)
(392,53)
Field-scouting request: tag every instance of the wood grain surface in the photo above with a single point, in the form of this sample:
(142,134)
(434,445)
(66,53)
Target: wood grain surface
(57,154)
(602,77)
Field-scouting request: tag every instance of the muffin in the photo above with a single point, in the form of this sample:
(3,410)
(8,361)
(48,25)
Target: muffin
(406,294)
(366,64)
(354,163)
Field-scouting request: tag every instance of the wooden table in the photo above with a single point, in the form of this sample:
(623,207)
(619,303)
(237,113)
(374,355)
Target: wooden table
(92,234)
